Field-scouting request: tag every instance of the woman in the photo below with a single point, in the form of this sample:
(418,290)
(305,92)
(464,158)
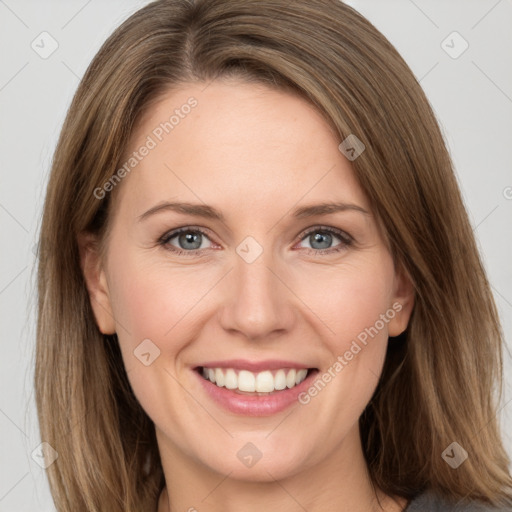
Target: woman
(258,285)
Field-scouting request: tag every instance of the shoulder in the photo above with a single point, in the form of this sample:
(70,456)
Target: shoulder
(432,502)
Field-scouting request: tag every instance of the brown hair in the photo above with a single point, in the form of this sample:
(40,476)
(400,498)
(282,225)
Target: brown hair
(442,378)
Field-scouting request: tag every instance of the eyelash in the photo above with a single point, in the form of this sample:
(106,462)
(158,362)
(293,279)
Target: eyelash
(346,240)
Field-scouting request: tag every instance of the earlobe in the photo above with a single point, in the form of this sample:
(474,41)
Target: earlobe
(402,302)
(96,282)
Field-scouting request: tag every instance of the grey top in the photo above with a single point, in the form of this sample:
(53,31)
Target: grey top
(430,502)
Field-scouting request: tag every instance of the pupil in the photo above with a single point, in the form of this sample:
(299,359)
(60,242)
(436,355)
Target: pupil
(188,238)
(323,239)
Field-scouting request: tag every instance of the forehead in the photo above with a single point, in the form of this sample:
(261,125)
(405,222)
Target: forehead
(235,144)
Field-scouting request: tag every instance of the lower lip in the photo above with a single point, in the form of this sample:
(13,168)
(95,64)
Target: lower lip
(249,405)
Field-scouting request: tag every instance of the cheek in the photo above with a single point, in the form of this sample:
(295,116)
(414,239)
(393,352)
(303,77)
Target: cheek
(355,303)
(350,299)
(143,308)
(152,300)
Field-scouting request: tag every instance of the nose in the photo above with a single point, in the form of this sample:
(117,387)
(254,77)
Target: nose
(259,301)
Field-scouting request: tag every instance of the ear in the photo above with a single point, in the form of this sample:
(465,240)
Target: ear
(96,282)
(402,301)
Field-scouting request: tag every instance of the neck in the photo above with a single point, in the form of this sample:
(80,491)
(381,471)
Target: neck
(339,483)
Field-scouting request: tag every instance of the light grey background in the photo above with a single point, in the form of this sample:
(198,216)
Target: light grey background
(471,95)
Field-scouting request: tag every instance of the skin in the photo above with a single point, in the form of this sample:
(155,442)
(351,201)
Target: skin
(255,154)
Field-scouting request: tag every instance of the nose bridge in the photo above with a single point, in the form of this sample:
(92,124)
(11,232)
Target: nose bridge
(258,302)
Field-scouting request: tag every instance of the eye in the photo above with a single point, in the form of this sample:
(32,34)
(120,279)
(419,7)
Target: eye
(186,240)
(321,240)
(189,241)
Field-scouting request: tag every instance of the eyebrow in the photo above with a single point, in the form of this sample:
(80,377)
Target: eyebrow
(205,211)
(327,208)
(199,210)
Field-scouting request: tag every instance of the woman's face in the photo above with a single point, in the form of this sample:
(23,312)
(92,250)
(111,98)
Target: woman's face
(264,288)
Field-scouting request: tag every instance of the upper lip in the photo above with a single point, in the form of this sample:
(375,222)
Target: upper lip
(254,366)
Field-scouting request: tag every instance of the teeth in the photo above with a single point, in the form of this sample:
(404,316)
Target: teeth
(280,380)
(265,382)
(290,378)
(249,382)
(246,381)
(219,378)
(231,381)
(301,375)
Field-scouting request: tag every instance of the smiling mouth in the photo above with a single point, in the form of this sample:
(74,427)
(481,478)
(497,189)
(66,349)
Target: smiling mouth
(255,383)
